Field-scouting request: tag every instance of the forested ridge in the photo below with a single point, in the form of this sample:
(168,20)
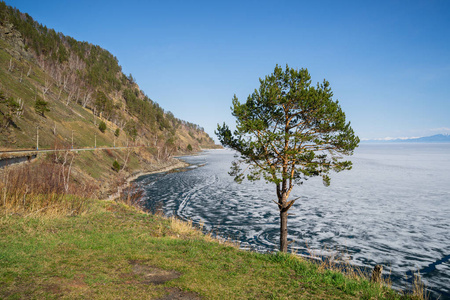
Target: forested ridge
(51,80)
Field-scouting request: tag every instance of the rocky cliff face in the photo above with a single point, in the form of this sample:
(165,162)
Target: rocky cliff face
(13,38)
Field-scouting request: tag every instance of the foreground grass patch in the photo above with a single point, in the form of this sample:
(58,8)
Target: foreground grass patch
(112,251)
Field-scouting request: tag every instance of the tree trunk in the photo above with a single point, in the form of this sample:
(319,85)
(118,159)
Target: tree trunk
(283,230)
(282,205)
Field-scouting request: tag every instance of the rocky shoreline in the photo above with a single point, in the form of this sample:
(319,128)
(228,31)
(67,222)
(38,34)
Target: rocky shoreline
(158,168)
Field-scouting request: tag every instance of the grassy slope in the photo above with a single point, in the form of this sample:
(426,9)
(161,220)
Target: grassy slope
(65,117)
(108,251)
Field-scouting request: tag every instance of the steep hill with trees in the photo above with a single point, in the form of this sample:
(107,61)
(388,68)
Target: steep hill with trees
(75,94)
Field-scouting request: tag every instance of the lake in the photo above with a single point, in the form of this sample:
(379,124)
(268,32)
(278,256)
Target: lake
(392,208)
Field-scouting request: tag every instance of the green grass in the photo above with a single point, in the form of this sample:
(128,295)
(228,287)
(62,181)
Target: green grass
(94,255)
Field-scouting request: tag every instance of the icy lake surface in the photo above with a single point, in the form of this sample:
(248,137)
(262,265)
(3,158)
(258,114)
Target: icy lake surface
(392,208)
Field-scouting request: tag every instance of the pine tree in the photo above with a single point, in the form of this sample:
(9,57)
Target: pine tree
(41,107)
(287,132)
(102,126)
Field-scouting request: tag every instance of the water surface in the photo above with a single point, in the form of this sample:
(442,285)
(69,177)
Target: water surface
(392,208)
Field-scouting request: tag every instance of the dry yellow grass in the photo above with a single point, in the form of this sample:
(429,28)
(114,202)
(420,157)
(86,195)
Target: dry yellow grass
(42,188)
(419,290)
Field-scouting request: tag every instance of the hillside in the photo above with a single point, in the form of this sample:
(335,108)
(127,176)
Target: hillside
(65,89)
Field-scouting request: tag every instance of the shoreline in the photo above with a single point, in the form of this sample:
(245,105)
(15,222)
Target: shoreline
(178,165)
(173,164)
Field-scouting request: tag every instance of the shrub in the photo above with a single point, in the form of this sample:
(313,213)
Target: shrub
(117,132)
(189,148)
(116,166)
(102,126)
(42,188)
(109,152)
(41,107)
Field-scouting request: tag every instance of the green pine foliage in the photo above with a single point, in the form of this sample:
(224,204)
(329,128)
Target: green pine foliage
(63,55)
(9,109)
(130,129)
(288,131)
(41,107)
(102,126)
(104,105)
(102,67)
(116,166)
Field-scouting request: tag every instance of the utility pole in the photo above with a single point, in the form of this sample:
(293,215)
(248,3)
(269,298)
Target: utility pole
(72,138)
(95,137)
(37,137)
(114,141)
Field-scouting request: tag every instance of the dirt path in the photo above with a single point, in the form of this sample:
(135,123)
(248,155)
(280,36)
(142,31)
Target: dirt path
(153,275)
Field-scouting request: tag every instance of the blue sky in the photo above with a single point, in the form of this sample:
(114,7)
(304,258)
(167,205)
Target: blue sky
(388,62)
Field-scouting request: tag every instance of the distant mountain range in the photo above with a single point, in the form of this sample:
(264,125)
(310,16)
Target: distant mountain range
(438,138)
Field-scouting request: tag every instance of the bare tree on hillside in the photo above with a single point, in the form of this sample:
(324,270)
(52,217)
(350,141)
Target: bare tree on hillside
(65,81)
(19,112)
(11,65)
(69,98)
(75,63)
(121,122)
(86,98)
(47,85)
(77,92)
(66,160)
(41,62)
(59,77)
